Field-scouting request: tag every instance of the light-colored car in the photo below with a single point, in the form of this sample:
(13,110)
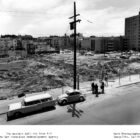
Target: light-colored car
(89,54)
(71,96)
(30,104)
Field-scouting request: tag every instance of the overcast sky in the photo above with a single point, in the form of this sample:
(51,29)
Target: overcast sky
(50,17)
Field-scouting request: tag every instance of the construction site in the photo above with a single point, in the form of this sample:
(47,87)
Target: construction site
(38,73)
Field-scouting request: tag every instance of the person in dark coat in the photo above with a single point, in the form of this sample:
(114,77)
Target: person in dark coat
(96,89)
(102,86)
(106,79)
(93,87)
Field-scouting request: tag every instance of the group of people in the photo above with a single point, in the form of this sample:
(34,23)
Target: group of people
(95,88)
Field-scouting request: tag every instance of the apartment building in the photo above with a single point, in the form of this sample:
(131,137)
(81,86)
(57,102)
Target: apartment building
(132,32)
(88,43)
(104,44)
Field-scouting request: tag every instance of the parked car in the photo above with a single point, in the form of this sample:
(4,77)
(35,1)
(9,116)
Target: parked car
(89,54)
(30,104)
(124,56)
(71,96)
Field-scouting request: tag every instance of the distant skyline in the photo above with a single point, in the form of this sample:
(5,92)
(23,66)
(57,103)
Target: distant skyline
(50,17)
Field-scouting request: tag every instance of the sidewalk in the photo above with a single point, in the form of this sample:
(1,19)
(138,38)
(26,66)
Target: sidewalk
(86,86)
(114,83)
(124,81)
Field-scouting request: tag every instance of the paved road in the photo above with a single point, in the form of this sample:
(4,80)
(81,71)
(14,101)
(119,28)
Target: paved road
(119,110)
(120,106)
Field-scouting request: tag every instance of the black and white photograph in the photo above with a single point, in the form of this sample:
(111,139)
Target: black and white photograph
(70,63)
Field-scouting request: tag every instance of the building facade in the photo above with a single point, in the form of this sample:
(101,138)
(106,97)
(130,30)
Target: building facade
(132,32)
(104,44)
(88,43)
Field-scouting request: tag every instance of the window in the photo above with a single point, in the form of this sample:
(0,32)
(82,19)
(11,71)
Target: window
(71,94)
(49,99)
(32,103)
(44,100)
(76,93)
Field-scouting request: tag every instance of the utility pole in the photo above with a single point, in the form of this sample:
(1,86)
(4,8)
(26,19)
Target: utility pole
(75,59)
(73,26)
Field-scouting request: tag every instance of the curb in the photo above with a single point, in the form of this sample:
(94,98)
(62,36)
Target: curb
(127,84)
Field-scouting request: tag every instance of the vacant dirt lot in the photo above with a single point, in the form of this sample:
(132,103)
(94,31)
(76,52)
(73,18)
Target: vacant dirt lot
(40,73)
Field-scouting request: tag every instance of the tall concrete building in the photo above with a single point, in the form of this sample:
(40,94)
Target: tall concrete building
(132,32)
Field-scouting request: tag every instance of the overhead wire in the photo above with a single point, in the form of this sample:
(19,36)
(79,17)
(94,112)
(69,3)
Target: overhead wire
(86,19)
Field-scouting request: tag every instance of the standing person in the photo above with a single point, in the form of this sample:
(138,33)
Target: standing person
(102,86)
(96,90)
(106,79)
(92,87)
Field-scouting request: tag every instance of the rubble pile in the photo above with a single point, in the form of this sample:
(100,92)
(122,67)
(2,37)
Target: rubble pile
(53,71)
(30,78)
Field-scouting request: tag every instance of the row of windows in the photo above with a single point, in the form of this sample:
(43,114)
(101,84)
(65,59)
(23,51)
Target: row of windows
(38,101)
